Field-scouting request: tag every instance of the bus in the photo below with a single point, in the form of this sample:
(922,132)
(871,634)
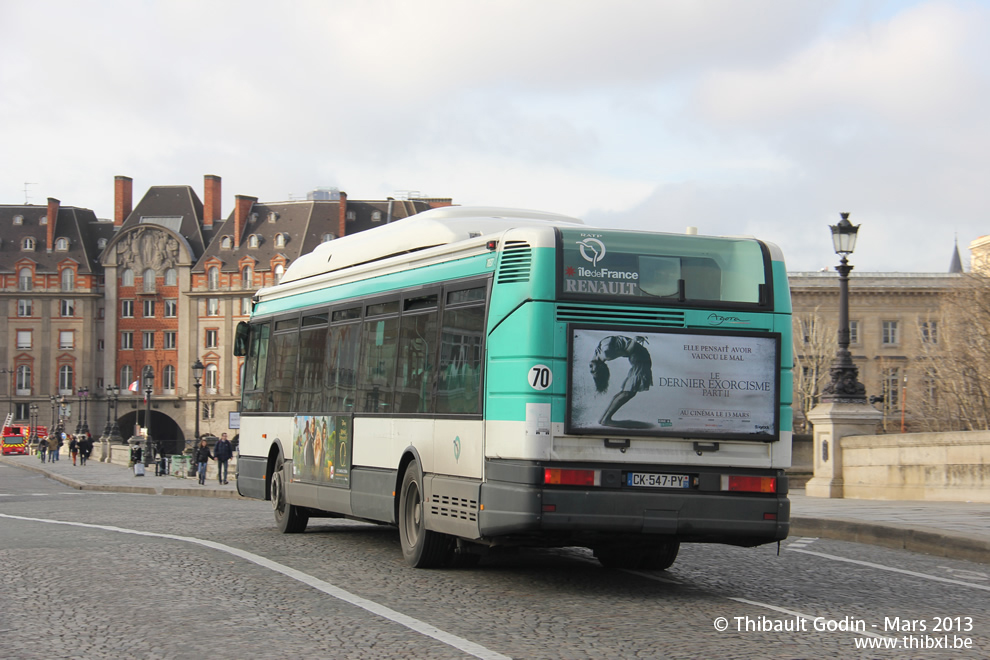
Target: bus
(489,378)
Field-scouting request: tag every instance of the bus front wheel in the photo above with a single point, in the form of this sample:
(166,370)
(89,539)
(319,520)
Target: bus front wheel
(289,518)
(421,548)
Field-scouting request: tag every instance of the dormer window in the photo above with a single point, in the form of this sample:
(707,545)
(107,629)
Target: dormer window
(351,215)
(254,217)
(272,216)
(225,243)
(27,243)
(253,241)
(279,240)
(44,220)
(326,238)
(376,216)
(18,219)
(61,244)
(101,243)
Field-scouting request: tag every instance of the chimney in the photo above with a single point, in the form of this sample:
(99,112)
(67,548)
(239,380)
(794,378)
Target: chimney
(242,207)
(122,199)
(211,200)
(53,205)
(342,222)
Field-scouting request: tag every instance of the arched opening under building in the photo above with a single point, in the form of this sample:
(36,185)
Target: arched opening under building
(164,430)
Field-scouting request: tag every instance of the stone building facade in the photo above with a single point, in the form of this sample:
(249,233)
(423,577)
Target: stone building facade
(89,303)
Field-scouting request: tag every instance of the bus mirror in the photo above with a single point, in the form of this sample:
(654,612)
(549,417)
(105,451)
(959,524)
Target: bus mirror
(241,336)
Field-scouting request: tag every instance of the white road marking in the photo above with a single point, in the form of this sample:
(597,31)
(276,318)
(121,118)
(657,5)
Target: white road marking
(416,625)
(870,564)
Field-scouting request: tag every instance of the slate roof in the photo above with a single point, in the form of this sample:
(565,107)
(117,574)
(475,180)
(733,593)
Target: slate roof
(80,226)
(303,224)
(173,207)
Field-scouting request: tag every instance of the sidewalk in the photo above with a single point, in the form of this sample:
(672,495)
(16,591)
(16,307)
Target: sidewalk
(120,479)
(957,530)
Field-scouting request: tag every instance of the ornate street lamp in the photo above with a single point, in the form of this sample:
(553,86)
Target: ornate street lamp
(844,386)
(33,435)
(113,392)
(84,422)
(149,383)
(197,369)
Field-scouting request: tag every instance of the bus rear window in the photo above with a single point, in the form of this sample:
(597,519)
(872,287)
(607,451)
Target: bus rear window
(667,268)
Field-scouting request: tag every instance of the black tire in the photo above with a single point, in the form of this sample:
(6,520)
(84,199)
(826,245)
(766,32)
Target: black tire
(421,548)
(661,557)
(290,519)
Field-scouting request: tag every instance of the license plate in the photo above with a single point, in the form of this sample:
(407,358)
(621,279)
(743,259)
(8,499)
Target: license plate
(653,480)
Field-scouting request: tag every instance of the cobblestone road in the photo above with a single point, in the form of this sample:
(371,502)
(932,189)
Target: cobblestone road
(92,592)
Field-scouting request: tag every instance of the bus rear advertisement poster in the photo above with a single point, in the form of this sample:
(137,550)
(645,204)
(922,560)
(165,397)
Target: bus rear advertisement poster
(673,383)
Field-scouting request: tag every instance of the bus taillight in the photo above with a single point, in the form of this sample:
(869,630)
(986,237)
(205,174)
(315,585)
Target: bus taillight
(749,484)
(559,477)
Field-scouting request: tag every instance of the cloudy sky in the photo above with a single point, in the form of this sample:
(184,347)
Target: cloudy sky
(762,117)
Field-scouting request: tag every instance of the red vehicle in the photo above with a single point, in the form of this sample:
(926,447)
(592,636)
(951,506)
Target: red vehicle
(15,437)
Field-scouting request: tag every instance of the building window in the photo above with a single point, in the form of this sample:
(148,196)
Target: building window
(148,280)
(22,411)
(890,335)
(18,219)
(149,308)
(211,379)
(209,409)
(225,243)
(68,279)
(351,215)
(61,244)
(171,308)
(126,376)
(279,272)
(854,332)
(25,307)
(171,277)
(66,340)
(23,339)
(127,277)
(929,332)
(27,244)
(213,307)
(170,339)
(253,241)
(211,338)
(326,238)
(127,309)
(376,216)
(66,307)
(168,379)
(245,307)
(272,216)
(66,379)
(126,340)
(23,380)
(148,340)
(247,277)
(279,240)
(100,313)
(891,385)
(213,278)
(101,243)
(25,280)
(43,221)
(100,345)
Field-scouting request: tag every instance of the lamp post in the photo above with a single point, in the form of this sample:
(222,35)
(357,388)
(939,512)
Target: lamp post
(33,435)
(54,401)
(113,395)
(149,382)
(197,369)
(844,386)
(84,420)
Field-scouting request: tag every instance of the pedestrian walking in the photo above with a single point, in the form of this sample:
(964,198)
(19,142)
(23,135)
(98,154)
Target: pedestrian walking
(74,450)
(203,456)
(52,448)
(43,449)
(223,451)
(58,447)
(85,449)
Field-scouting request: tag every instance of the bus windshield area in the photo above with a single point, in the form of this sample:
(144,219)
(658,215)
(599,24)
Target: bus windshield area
(668,268)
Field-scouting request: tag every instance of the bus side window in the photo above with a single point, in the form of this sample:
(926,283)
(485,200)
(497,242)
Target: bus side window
(377,372)
(459,377)
(417,351)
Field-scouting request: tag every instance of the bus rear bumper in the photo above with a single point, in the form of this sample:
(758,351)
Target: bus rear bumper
(576,514)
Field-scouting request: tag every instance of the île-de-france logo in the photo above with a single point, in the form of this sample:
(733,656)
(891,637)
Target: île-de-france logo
(592,250)
(457,448)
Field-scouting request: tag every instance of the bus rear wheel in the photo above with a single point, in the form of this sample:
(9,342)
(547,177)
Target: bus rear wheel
(655,557)
(289,518)
(421,548)
(661,557)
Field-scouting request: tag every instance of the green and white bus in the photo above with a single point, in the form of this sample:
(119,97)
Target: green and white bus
(487,378)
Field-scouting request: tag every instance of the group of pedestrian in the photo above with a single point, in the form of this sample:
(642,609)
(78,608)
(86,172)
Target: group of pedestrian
(80,446)
(222,452)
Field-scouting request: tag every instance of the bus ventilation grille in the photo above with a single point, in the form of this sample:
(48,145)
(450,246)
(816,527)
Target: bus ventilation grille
(651,317)
(517,257)
(458,508)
